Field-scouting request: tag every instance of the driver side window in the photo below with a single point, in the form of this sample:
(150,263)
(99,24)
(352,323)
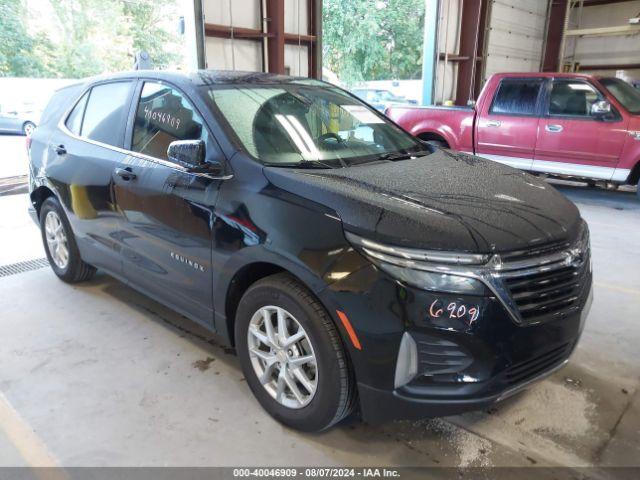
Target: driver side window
(572,98)
(163,116)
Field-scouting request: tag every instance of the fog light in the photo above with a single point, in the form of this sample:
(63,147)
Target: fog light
(407,366)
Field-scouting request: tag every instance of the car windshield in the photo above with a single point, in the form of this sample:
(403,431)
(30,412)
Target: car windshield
(628,96)
(308,122)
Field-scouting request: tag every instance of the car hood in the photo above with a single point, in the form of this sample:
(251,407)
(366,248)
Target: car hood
(445,201)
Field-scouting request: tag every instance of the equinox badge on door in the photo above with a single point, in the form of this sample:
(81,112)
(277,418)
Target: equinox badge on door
(179,258)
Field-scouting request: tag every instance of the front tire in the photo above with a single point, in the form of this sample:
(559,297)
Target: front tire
(60,244)
(292,355)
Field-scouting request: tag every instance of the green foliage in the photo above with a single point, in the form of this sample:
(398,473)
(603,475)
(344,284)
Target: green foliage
(373,39)
(84,37)
(16,47)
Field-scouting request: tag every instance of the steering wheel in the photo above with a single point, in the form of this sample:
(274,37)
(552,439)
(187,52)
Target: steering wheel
(330,135)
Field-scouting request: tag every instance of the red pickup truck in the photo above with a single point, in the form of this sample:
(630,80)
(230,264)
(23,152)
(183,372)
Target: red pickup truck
(565,125)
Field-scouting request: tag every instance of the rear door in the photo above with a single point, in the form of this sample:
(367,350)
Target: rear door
(507,128)
(83,155)
(573,142)
(168,210)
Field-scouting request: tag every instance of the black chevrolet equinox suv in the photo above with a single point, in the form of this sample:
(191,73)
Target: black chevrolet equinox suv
(352,267)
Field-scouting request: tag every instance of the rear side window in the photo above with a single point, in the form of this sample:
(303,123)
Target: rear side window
(74,120)
(516,97)
(105,115)
(164,115)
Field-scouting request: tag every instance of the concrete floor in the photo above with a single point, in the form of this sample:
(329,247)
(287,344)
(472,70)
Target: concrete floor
(97,375)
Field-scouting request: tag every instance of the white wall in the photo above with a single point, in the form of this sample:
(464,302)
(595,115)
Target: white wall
(618,49)
(242,54)
(515,34)
(448,42)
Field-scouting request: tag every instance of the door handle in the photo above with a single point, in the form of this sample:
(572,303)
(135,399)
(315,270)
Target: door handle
(125,173)
(494,123)
(553,128)
(60,150)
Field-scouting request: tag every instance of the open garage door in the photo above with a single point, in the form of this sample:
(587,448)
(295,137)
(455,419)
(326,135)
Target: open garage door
(515,41)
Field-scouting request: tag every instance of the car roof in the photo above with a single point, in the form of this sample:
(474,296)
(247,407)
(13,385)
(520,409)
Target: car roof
(545,75)
(202,77)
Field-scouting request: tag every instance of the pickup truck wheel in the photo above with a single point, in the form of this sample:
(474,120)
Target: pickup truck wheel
(437,143)
(292,356)
(60,244)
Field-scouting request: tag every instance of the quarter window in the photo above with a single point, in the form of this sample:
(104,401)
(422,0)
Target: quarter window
(163,116)
(571,98)
(516,97)
(106,113)
(74,120)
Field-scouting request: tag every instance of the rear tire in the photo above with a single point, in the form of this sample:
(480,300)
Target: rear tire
(28,128)
(328,375)
(60,244)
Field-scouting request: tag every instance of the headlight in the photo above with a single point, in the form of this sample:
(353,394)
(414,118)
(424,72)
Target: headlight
(437,282)
(426,269)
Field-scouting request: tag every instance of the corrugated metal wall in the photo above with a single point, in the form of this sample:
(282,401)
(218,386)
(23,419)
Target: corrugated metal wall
(513,40)
(236,53)
(243,53)
(516,31)
(604,50)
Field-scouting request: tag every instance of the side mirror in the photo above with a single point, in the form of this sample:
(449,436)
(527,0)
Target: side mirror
(471,103)
(600,109)
(187,152)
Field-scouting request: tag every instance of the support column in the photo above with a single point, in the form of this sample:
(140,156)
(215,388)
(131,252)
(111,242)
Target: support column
(275,31)
(555,32)
(314,15)
(472,28)
(430,50)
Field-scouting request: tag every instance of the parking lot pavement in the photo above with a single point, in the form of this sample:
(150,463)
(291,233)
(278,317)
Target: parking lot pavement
(102,375)
(13,159)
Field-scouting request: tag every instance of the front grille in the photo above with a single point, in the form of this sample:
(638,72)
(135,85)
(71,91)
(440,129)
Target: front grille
(548,286)
(523,371)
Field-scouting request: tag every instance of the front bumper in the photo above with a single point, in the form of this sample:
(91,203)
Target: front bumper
(462,366)
(379,406)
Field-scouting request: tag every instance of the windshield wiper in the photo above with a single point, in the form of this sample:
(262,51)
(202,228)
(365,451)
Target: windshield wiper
(321,163)
(301,164)
(393,156)
(402,155)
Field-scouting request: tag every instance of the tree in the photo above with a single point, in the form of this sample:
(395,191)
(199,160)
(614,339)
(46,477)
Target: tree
(373,39)
(80,38)
(17,47)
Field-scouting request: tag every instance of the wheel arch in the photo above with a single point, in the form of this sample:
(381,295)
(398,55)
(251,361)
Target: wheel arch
(39,195)
(250,273)
(634,175)
(426,136)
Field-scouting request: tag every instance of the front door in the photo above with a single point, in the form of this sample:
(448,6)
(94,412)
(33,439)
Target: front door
(573,142)
(168,210)
(507,128)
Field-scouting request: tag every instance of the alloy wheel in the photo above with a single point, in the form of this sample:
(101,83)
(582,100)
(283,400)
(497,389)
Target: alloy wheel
(282,357)
(56,240)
